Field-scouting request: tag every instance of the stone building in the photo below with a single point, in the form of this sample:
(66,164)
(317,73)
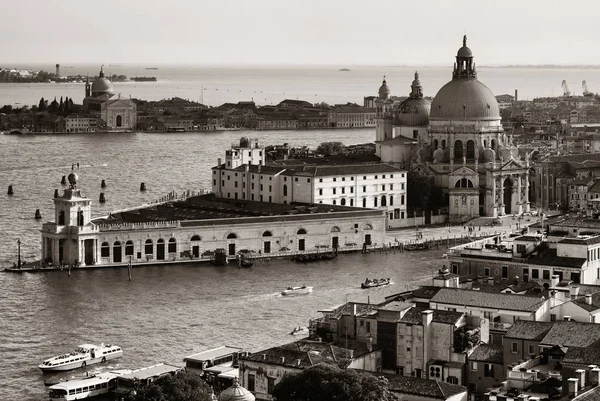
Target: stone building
(118,114)
(458,141)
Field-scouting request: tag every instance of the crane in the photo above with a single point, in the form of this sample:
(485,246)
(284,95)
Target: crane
(586,92)
(565,87)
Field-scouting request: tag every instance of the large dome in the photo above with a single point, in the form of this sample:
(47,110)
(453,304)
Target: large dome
(465,99)
(236,393)
(102,85)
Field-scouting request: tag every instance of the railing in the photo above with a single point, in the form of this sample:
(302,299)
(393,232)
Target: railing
(500,326)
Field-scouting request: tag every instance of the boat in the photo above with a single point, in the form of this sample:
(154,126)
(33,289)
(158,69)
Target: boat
(83,355)
(79,389)
(297,290)
(375,283)
(219,257)
(246,264)
(303,258)
(419,246)
(299,331)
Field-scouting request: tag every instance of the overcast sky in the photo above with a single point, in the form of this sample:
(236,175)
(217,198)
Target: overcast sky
(347,32)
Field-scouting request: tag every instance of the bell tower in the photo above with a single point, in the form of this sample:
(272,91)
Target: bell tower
(383,116)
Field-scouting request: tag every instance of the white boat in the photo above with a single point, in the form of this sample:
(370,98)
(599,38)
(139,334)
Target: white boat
(83,355)
(299,331)
(297,290)
(79,389)
(375,283)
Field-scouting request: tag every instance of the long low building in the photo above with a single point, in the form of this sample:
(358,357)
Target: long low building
(184,230)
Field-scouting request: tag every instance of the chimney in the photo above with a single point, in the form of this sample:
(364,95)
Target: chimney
(595,376)
(515,281)
(282,359)
(574,291)
(490,281)
(572,386)
(580,375)
(588,299)
(427,317)
(469,285)
(246,167)
(554,281)
(219,162)
(516,95)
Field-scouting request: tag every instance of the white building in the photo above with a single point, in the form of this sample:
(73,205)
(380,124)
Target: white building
(245,176)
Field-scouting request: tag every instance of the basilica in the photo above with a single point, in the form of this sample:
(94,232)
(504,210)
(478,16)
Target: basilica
(458,141)
(118,114)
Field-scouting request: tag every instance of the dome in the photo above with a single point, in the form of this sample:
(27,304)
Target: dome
(438,155)
(236,393)
(464,52)
(384,90)
(413,112)
(465,99)
(102,85)
(72,178)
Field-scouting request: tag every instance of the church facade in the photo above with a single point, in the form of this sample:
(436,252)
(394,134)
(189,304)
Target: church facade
(458,141)
(118,114)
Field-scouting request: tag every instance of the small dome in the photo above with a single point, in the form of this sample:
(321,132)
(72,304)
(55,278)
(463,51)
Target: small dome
(413,112)
(464,51)
(236,393)
(102,85)
(489,155)
(438,155)
(384,90)
(244,142)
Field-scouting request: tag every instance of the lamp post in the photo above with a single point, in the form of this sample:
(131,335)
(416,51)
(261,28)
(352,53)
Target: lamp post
(19,253)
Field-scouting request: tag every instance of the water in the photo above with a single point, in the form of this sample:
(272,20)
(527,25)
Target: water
(165,313)
(272,84)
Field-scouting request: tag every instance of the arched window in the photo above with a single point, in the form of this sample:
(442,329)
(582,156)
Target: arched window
(334,202)
(435,144)
(343,201)
(368,227)
(117,252)
(494,144)
(391,200)
(172,245)
(351,202)
(129,248)
(148,247)
(458,150)
(443,144)
(383,201)
(470,150)
(105,250)
(375,202)
(267,234)
(301,231)
(485,143)
(195,238)
(463,183)
(119,121)
(160,249)
(284,189)
(231,236)
(335,229)
(364,202)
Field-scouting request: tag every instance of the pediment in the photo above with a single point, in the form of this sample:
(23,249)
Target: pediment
(463,172)
(511,164)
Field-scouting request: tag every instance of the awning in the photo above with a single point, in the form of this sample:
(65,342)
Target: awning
(219,368)
(230,374)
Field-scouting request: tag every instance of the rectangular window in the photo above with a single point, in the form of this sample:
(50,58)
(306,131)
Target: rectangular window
(270,188)
(270,385)
(308,180)
(531,349)
(486,271)
(235,184)
(334,179)
(488,370)
(222,183)
(214,182)
(525,271)
(351,190)
(383,187)
(320,180)
(343,190)
(320,191)
(514,347)
(364,177)
(546,274)
(504,271)
(473,365)
(296,179)
(552,317)
(333,191)
(535,273)
(368,327)
(351,178)
(250,382)
(376,177)
(391,187)
(364,188)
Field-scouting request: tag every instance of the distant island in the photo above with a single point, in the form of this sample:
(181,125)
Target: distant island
(151,68)
(344,69)
(143,79)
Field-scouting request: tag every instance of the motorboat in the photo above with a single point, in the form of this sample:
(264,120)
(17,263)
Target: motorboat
(375,283)
(87,387)
(299,331)
(297,290)
(246,264)
(83,355)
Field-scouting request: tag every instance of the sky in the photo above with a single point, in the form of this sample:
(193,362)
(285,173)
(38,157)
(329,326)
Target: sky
(338,32)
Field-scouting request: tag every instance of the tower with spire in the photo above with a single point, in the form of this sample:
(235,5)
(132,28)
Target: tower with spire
(384,120)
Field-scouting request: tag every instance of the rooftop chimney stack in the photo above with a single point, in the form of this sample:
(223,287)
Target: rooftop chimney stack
(554,281)
(516,95)
(427,317)
(580,374)
(573,386)
(595,376)
(588,299)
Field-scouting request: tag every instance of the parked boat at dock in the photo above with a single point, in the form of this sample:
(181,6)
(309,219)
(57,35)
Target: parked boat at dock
(88,387)
(297,290)
(375,283)
(299,331)
(83,355)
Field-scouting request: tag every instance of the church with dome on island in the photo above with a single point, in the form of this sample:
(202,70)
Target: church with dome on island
(457,140)
(119,114)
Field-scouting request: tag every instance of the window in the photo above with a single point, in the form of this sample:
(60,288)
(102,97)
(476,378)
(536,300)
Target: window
(368,327)
(129,248)
(320,191)
(553,317)
(486,271)
(105,250)
(531,349)
(364,202)
(235,184)
(334,179)
(525,271)
(514,348)
(270,385)
(320,180)
(364,188)
(546,274)
(473,365)
(504,271)
(364,177)
(261,187)
(488,370)
(376,177)
(351,190)
(148,247)
(270,188)
(535,273)
(383,187)
(334,191)
(172,246)
(415,133)
(250,382)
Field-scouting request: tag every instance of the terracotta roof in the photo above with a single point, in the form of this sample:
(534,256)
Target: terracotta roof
(591,395)
(455,296)
(528,330)
(414,316)
(582,302)
(581,241)
(582,356)
(487,353)
(573,334)
(423,387)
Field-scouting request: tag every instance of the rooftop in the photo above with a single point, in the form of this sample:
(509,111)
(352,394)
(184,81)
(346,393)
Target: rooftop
(194,210)
(573,334)
(151,371)
(528,330)
(582,356)
(423,387)
(213,353)
(478,299)
(487,353)
(415,316)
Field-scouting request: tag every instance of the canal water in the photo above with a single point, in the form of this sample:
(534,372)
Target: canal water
(164,313)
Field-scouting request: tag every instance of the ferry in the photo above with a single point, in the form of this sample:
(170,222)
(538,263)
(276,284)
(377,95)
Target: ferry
(375,283)
(88,387)
(83,355)
(297,290)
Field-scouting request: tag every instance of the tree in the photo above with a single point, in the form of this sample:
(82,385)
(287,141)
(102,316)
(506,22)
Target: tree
(330,148)
(330,383)
(183,386)
(418,190)
(43,105)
